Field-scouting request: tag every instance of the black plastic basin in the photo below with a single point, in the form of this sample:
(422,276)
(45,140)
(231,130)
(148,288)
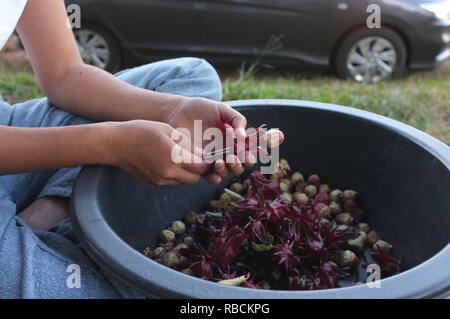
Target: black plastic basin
(402,175)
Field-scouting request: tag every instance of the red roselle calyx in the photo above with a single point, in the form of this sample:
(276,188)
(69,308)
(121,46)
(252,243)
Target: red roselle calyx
(357,215)
(350,206)
(257,231)
(226,246)
(388,264)
(260,232)
(284,255)
(202,269)
(322,197)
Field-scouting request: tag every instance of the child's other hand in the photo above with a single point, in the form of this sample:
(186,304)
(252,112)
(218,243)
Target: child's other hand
(144,149)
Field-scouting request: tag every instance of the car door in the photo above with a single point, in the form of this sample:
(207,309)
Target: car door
(241,26)
(154,25)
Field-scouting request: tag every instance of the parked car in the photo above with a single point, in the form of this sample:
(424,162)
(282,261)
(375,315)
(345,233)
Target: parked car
(414,34)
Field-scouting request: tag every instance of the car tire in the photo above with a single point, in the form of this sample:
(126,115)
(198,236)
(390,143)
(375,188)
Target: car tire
(371,55)
(98,47)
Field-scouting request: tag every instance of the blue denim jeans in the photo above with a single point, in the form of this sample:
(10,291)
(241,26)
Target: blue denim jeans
(34,264)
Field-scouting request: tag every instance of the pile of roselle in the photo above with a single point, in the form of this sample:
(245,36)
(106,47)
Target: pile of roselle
(282,233)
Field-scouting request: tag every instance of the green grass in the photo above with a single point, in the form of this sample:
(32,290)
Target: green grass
(420,99)
(19,87)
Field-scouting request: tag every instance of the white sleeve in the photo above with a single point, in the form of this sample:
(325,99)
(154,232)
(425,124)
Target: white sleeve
(10,12)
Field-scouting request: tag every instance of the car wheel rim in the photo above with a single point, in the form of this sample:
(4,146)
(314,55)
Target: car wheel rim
(371,60)
(94,48)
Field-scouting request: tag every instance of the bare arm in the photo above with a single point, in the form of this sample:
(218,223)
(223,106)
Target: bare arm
(73,85)
(140,148)
(31,149)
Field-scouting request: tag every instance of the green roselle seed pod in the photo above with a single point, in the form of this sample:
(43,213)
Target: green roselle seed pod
(335,208)
(342,227)
(311,191)
(286,197)
(191,217)
(187,271)
(300,198)
(285,185)
(363,227)
(372,237)
(324,188)
(170,259)
(296,178)
(322,210)
(314,179)
(349,194)
(347,258)
(336,195)
(344,218)
(237,188)
(167,236)
(148,252)
(188,241)
(382,247)
(178,227)
(357,244)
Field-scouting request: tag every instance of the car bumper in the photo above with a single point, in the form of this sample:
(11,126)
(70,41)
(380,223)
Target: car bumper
(431,46)
(445,53)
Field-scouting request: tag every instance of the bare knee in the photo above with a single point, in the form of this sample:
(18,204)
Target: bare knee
(45,212)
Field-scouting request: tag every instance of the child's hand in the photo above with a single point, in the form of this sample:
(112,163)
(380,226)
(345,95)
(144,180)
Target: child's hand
(143,149)
(212,114)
